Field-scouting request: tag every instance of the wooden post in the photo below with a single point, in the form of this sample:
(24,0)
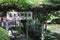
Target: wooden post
(7,25)
(27,28)
(42,31)
(34,27)
(46,25)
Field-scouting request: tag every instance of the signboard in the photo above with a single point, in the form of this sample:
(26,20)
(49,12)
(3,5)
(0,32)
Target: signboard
(19,15)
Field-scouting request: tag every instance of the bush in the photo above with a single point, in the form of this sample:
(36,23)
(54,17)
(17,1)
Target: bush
(3,34)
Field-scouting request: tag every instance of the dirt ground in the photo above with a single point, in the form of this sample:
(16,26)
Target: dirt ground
(53,32)
(54,27)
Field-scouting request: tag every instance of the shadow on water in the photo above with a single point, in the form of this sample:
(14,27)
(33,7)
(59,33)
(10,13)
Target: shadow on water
(52,35)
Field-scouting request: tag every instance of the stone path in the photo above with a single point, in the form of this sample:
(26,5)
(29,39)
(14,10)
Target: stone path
(19,37)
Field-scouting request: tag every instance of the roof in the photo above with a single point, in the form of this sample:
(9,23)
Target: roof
(47,7)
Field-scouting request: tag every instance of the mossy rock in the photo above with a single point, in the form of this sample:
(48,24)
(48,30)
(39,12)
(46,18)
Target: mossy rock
(3,34)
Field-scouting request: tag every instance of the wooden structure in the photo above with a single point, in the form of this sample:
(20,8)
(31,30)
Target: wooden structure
(43,8)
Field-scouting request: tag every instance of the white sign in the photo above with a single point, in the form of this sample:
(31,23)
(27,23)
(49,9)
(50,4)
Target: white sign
(19,15)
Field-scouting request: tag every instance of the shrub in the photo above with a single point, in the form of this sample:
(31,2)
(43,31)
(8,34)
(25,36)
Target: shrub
(3,34)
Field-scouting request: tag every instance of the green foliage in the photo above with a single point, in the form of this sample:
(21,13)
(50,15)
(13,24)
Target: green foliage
(45,1)
(55,1)
(25,3)
(52,1)
(35,2)
(14,1)
(3,34)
